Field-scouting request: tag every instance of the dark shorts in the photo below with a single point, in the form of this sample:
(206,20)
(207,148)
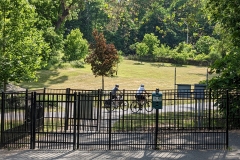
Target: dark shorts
(114,97)
(140,97)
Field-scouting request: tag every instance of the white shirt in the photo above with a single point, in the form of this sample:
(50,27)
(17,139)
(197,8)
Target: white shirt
(140,90)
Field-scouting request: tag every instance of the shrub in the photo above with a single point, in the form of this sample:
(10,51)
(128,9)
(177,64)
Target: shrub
(77,64)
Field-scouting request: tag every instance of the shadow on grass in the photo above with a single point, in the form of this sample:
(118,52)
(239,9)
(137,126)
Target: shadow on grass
(178,65)
(166,65)
(46,78)
(138,63)
(159,65)
(199,74)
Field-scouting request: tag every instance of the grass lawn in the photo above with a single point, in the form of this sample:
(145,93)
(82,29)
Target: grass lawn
(129,76)
(189,120)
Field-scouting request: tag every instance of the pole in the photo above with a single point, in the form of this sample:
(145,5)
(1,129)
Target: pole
(175,72)
(109,124)
(156,132)
(227,114)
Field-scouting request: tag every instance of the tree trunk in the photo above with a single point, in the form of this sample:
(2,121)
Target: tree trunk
(61,19)
(103,83)
(63,13)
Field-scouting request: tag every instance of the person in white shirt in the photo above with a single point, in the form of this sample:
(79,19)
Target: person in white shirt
(140,94)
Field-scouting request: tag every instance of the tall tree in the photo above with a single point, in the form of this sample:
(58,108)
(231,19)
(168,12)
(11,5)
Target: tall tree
(55,13)
(22,45)
(104,57)
(226,14)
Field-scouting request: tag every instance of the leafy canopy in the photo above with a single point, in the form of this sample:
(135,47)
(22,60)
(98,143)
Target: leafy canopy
(104,57)
(75,46)
(22,45)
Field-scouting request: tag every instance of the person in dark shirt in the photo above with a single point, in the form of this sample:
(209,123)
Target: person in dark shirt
(114,91)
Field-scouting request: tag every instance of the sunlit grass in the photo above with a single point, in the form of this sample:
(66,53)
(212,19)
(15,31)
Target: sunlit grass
(129,76)
(133,122)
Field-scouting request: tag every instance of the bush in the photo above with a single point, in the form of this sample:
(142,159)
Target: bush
(201,57)
(64,65)
(77,64)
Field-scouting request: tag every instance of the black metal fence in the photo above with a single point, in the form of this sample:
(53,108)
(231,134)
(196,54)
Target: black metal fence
(91,120)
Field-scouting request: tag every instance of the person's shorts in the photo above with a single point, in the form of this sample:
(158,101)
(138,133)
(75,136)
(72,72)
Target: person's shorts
(140,97)
(114,97)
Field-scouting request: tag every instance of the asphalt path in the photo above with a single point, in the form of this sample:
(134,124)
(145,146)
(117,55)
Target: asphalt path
(231,153)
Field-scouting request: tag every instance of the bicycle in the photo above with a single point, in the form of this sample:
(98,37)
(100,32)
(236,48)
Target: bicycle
(137,105)
(115,103)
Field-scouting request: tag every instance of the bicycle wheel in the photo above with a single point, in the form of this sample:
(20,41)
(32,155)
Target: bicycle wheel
(134,107)
(148,107)
(124,105)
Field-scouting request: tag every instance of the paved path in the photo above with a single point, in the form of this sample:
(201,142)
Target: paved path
(233,153)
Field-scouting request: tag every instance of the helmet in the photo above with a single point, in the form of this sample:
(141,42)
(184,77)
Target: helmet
(116,85)
(142,85)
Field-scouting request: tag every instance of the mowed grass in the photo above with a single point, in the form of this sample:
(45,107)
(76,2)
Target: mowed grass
(129,76)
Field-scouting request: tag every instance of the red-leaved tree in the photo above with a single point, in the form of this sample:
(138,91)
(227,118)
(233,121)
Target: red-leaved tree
(104,57)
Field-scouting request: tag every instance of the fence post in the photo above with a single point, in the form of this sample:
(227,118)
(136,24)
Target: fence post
(67,108)
(227,119)
(74,121)
(2,120)
(156,129)
(33,120)
(27,118)
(99,104)
(110,123)
(209,104)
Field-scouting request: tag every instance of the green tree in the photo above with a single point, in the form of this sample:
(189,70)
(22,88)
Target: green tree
(55,13)
(151,40)
(56,44)
(163,51)
(204,44)
(22,46)
(141,49)
(182,52)
(104,57)
(76,47)
(52,16)
(226,14)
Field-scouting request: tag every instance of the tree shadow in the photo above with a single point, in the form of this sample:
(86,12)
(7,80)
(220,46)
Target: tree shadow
(158,65)
(59,80)
(178,65)
(138,63)
(50,76)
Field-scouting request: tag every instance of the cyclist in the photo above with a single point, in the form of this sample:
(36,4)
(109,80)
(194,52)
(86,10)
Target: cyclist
(114,92)
(140,94)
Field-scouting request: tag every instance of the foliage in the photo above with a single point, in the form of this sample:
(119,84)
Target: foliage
(77,64)
(228,77)
(75,46)
(56,12)
(104,57)
(200,57)
(185,51)
(151,40)
(163,51)
(23,49)
(204,44)
(179,58)
(142,49)
(226,14)
(55,42)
